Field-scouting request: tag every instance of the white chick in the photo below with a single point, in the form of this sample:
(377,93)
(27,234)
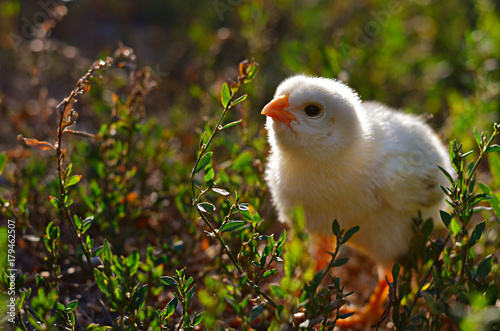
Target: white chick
(361,163)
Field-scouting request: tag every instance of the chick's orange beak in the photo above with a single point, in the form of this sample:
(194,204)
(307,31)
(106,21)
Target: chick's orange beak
(276,109)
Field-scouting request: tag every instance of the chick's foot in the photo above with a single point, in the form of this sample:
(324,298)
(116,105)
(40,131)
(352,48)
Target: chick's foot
(371,313)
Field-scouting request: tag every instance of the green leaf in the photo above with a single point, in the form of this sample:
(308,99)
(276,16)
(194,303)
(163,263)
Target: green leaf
(132,262)
(73,180)
(484,267)
(3,243)
(478,138)
(494,197)
(96,327)
(228,125)
(89,242)
(243,207)
(346,315)
(494,162)
(189,295)
(46,242)
(60,306)
(238,100)
(256,311)
(471,185)
(87,222)
(277,290)
(186,319)
(476,233)
(453,155)
(395,272)
(97,251)
(491,149)
(470,165)
(336,228)
(495,204)
(205,159)
(478,198)
(69,168)
(202,140)
(251,72)
(102,281)
(225,95)
(40,282)
(220,191)
(198,318)
(139,297)
(447,174)
(446,218)
(265,252)
(469,152)
(78,221)
(48,230)
(428,227)
(170,308)
(269,273)
(206,207)
(167,280)
(181,273)
(55,202)
(71,306)
(349,233)
(209,175)
(55,232)
(3,162)
(339,262)
(233,226)
(491,295)
(106,255)
(454,227)
(282,238)
(188,282)
(257,264)
(446,190)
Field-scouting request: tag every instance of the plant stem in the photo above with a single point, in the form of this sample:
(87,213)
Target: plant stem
(204,148)
(217,235)
(62,189)
(424,281)
(482,152)
(194,200)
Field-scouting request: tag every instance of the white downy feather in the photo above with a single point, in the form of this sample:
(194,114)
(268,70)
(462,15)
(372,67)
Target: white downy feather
(361,163)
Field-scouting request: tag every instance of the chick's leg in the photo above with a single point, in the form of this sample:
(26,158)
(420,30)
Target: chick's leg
(373,311)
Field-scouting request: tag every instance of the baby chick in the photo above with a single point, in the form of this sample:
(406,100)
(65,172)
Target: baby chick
(361,163)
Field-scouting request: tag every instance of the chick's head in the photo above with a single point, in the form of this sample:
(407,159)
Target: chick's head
(313,115)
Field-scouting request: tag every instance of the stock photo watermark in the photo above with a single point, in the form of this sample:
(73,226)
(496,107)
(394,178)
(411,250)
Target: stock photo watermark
(223,6)
(408,165)
(373,27)
(31,27)
(11,271)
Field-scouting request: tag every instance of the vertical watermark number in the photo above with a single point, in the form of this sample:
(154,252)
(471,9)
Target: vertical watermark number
(11,271)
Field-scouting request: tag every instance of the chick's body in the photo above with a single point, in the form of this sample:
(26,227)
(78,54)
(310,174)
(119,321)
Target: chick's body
(358,162)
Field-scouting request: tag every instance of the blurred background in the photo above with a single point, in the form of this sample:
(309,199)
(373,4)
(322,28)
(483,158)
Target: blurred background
(437,58)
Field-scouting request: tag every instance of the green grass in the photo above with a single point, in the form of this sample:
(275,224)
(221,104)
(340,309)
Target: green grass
(136,196)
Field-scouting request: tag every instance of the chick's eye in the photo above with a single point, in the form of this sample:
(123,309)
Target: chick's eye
(312,111)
